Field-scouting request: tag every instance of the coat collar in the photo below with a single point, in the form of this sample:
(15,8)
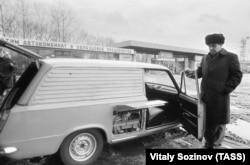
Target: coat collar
(223,51)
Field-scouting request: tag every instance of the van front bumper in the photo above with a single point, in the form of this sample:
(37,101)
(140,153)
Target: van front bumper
(7,150)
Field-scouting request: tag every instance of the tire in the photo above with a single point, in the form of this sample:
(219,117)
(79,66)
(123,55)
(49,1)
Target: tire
(81,148)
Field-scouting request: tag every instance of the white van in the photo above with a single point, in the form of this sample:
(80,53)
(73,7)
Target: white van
(73,106)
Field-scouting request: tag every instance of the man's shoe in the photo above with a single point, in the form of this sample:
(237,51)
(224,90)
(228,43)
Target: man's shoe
(208,146)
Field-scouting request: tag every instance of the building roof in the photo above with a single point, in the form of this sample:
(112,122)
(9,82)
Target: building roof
(157,47)
(68,62)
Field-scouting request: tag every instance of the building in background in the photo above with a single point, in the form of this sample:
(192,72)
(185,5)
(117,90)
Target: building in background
(67,50)
(175,58)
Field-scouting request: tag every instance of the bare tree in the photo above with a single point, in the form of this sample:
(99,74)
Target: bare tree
(40,21)
(23,16)
(84,37)
(104,41)
(63,21)
(81,37)
(43,24)
(8,18)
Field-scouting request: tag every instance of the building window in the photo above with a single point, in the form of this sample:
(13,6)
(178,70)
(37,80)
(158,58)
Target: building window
(46,53)
(102,56)
(113,56)
(62,54)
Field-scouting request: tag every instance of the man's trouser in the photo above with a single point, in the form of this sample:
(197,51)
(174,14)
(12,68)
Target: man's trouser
(214,134)
(2,88)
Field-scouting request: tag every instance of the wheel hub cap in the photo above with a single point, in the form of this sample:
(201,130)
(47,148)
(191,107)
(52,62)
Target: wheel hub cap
(82,147)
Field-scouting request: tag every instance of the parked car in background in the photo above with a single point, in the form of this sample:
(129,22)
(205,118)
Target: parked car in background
(73,106)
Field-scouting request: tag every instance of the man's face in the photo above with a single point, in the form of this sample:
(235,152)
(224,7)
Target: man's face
(214,48)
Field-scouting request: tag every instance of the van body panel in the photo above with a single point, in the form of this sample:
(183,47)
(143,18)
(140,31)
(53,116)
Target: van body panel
(30,148)
(43,128)
(68,95)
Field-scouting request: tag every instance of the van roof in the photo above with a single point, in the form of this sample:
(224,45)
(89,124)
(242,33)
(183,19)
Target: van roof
(56,62)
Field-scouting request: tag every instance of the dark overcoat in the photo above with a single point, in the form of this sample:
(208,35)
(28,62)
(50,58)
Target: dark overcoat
(220,76)
(6,72)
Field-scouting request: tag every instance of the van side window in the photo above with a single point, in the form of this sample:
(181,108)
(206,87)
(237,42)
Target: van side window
(159,77)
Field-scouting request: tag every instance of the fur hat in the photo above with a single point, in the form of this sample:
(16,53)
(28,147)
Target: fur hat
(215,39)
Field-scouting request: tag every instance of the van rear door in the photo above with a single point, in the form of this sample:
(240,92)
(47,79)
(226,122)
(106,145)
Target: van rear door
(15,93)
(19,49)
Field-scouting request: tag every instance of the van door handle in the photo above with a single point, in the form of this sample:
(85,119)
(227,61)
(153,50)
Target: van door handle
(186,114)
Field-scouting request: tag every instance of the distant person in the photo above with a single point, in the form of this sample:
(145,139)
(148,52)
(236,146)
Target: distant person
(6,72)
(221,74)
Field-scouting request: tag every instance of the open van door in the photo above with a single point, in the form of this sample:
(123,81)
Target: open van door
(14,94)
(25,52)
(192,109)
(19,49)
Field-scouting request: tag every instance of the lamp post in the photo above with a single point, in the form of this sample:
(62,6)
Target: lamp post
(243,48)
(246,46)
(2,19)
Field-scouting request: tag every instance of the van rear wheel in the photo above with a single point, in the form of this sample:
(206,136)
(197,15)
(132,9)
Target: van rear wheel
(82,147)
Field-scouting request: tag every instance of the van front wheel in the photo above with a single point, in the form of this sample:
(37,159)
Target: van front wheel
(82,147)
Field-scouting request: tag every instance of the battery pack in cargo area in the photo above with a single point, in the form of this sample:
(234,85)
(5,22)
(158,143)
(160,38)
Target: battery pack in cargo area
(127,119)
(135,117)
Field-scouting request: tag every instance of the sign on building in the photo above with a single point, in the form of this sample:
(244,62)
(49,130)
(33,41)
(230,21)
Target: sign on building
(58,45)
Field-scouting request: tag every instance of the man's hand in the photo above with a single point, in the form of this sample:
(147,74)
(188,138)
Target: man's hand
(189,73)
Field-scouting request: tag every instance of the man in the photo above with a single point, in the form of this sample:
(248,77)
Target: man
(221,74)
(6,72)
